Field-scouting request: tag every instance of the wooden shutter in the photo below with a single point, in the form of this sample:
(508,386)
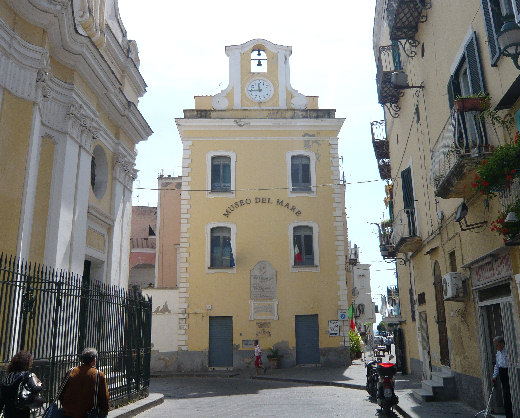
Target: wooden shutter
(407,187)
(516,8)
(491,28)
(473,62)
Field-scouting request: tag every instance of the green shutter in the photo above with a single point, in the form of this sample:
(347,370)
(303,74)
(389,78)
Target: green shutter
(407,187)
(473,61)
(516,8)
(492,30)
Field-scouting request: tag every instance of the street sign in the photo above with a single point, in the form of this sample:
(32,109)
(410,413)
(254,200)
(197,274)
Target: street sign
(342,314)
(333,328)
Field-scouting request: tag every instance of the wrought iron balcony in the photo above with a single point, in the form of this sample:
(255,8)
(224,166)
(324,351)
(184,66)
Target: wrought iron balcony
(404,232)
(404,16)
(460,148)
(385,171)
(385,244)
(379,140)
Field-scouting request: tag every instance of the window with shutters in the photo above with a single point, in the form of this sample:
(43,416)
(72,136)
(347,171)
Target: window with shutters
(466,80)
(301,175)
(408,202)
(304,246)
(220,250)
(221,173)
(496,13)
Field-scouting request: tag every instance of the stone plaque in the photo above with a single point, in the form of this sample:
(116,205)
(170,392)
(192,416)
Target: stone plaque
(263,281)
(263,310)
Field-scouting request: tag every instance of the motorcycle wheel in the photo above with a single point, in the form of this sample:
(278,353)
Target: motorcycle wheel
(388,410)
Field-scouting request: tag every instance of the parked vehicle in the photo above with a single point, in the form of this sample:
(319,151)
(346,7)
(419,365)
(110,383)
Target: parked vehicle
(386,397)
(372,378)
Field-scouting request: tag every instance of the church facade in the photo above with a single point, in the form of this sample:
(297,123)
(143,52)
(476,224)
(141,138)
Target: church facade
(263,238)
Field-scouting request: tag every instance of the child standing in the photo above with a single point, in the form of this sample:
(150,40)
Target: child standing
(258,358)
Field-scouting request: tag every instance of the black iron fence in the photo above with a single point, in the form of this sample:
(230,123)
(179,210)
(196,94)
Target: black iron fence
(56,314)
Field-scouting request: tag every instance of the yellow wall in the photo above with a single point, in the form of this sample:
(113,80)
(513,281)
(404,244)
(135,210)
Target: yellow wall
(41,204)
(30,33)
(15,126)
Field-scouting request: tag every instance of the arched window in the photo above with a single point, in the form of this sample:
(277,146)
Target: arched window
(258,61)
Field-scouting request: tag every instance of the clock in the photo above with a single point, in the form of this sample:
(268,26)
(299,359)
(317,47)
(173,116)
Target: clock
(259,90)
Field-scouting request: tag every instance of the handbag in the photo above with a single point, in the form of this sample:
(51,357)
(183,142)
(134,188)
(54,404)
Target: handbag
(94,412)
(52,410)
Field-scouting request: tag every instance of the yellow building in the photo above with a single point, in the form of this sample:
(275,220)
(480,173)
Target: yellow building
(69,86)
(458,276)
(263,239)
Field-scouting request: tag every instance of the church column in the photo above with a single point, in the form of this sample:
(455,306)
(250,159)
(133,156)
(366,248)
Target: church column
(119,237)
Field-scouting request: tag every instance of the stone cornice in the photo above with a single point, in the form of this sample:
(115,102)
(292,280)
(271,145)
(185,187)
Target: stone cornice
(80,53)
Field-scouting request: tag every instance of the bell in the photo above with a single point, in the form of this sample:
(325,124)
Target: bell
(511,218)
(258,52)
(259,63)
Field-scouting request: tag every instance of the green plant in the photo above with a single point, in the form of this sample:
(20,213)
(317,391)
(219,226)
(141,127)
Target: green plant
(355,342)
(498,171)
(275,353)
(507,230)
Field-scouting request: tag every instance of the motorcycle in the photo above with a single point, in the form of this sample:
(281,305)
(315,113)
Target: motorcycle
(372,378)
(386,397)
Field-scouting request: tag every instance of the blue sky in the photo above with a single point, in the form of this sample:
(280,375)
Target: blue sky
(181,48)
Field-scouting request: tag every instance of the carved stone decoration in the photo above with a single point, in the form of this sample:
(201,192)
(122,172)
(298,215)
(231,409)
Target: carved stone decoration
(84,127)
(42,83)
(124,170)
(90,19)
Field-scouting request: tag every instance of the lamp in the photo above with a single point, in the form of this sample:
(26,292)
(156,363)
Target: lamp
(509,41)
(511,218)
(460,217)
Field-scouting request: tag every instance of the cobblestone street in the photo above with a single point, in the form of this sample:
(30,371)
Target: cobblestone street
(239,397)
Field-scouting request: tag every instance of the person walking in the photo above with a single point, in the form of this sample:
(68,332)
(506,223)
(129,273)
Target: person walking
(258,358)
(501,370)
(77,396)
(18,373)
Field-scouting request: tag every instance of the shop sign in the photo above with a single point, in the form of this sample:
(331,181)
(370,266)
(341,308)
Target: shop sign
(493,270)
(264,201)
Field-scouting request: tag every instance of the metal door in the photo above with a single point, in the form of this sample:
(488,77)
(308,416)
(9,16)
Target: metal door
(307,339)
(441,316)
(220,341)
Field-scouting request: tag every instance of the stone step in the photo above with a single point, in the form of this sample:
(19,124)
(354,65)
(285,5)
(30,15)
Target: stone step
(422,395)
(442,389)
(442,377)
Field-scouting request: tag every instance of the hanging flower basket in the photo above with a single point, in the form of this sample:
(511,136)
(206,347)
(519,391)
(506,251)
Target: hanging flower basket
(471,104)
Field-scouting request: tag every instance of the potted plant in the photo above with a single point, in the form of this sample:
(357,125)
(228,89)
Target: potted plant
(355,344)
(274,358)
(498,171)
(507,230)
(473,103)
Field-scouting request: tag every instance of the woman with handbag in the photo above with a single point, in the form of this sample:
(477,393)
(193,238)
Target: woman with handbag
(85,392)
(20,390)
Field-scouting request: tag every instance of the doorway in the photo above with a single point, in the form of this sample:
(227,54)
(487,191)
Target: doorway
(441,316)
(307,339)
(220,341)
(425,346)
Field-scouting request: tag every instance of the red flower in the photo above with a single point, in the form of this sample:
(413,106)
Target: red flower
(501,221)
(509,177)
(513,171)
(484,162)
(474,184)
(485,183)
(476,176)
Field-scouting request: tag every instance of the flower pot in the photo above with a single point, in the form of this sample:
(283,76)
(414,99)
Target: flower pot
(358,354)
(274,363)
(471,104)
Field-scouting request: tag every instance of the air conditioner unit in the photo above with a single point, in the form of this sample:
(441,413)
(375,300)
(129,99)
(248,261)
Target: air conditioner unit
(453,286)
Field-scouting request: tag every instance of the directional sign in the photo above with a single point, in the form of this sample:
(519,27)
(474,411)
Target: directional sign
(342,314)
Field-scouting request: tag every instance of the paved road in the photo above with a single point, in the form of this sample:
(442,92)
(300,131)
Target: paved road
(239,397)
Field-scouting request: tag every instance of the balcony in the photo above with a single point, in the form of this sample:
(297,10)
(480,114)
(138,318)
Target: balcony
(404,232)
(140,243)
(379,140)
(387,63)
(403,17)
(385,245)
(460,148)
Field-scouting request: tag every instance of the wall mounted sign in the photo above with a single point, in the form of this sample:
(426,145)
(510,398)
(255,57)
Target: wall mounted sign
(248,343)
(495,269)
(267,201)
(342,314)
(262,278)
(333,328)
(263,310)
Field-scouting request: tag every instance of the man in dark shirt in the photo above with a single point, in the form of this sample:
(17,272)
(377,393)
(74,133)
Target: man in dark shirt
(78,394)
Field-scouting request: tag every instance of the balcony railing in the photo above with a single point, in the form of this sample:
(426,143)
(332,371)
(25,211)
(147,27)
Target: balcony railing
(404,232)
(385,244)
(457,153)
(379,140)
(510,195)
(148,243)
(404,16)
(388,62)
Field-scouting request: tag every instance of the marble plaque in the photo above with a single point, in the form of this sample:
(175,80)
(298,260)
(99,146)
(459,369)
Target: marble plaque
(263,281)
(263,310)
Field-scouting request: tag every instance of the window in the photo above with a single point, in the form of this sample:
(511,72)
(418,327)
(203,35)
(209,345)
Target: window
(496,13)
(221,173)
(408,202)
(301,173)
(258,61)
(304,252)
(466,79)
(221,251)
(99,172)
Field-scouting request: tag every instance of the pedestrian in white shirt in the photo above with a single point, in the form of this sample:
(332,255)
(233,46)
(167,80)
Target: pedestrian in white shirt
(258,358)
(501,370)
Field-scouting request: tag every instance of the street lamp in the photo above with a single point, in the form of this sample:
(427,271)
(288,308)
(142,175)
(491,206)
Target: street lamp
(509,41)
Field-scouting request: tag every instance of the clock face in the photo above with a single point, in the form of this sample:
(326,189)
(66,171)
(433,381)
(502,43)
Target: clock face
(260,90)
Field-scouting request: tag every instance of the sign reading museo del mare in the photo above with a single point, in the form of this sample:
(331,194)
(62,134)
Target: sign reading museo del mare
(264,304)
(263,281)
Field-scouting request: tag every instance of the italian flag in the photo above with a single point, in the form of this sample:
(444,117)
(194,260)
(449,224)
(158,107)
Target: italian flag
(297,255)
(351,316)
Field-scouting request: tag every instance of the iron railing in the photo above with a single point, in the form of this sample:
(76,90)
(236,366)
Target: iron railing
(55,314)
(404,227)
(510,195)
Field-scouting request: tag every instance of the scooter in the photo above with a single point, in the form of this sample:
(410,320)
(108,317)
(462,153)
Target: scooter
(372,378)
(386,397)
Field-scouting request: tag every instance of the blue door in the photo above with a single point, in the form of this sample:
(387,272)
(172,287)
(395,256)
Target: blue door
(220,341)
(307,339)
